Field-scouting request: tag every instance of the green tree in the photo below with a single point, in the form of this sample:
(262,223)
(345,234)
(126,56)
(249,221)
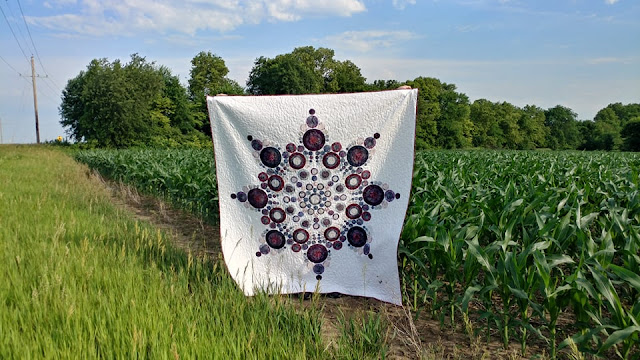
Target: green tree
(589,135)
(208,76)
(531,123)
(607,129)
(305,70)
(443,115)
(632,135)
(563,128)
(486,132)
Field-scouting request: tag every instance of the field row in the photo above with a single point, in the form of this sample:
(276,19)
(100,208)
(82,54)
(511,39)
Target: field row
(514,240)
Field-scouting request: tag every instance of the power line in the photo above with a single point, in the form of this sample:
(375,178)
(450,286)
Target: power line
(12,68)
(20,32)
(14,34)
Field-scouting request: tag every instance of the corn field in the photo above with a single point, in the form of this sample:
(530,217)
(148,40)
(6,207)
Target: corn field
(532,246)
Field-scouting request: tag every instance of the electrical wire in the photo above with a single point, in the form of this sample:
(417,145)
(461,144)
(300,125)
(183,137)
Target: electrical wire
(14,34)
(14,69)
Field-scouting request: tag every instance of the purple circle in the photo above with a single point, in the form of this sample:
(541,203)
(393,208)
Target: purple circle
(357,236)
(256,144)
(373,195)
(357,155)
(366,174)
(366,216)
(242,197)
(397,195)
(234,196)
(270,157)
(389,195)
(318,268)
(336,146)
(312,121)
(291,147)
(265,220)
(275,239)
(264,249)
(296,247)
(313,139)
(337,245)
(366,249)
(263,176)
(257,198)
(317,253)
(312,111)
(369,142)
(376,136)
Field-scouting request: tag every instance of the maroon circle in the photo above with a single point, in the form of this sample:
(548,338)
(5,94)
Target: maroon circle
(275,239)
(366,216)
(331,160)
(336,146)
(353,211)
(297,157)
(270,157)
(317,253)
(366,174)
(337,245)
(369,142)
(263,176)
(277,215)
(313,139)
(296,247)
(353,181)
(357,155)
(332,233)
(265,220)
(276,183)
(357,236)
(300,236)
(291,147)
(258,198)
(373,195)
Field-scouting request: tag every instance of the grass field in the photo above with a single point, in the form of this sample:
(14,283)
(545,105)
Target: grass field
(519,242)
(81,279)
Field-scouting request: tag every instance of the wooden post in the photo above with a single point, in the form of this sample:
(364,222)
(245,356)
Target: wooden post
(35,98)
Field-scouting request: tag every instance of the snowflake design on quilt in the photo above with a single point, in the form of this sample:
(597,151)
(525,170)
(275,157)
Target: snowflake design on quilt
(316,197)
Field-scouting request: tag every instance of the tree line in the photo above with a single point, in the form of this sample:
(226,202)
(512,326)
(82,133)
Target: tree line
(139,103)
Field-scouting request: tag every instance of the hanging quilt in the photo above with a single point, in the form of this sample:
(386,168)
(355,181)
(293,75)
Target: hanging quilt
(314,189)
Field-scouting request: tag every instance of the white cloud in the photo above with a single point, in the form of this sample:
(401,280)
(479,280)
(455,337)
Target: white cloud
(401,4)
(118,17)
(611,2)
(364,41)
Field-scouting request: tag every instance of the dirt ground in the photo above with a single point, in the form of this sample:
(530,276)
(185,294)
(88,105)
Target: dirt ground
(408,336)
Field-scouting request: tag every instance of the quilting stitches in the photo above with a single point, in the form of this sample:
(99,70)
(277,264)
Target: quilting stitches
(315,197)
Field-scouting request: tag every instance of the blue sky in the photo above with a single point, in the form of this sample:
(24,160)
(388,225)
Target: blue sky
(583,54)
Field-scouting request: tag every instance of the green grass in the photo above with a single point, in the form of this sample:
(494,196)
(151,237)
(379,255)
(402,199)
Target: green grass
(80,279)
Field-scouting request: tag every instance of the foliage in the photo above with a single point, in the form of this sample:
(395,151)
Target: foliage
(631,133)
(115,106)
(526,237)
(82,277)
(208,76)
(563,128)
(305,70)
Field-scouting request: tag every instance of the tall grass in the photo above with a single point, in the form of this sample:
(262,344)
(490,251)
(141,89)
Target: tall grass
(81,279)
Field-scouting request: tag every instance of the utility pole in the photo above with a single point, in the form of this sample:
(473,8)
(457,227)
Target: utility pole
(35,98)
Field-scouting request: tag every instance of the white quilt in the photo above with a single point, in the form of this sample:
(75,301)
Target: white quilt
(313,190)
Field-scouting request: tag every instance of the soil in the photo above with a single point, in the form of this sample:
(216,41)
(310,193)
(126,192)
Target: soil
(407,336)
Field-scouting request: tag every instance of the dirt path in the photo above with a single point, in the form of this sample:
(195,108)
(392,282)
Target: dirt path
(407,337)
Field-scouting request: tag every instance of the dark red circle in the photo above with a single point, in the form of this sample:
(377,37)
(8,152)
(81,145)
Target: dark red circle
(297,161)
(353,211)
(275,239)
(317,253)
(258,198)
(296,247)
(373,195)
(357,236)
(357,155)
(332,233)
(263,176)
(265,220)
(366,216)
(336,146)
(270,157)
(291,147)
(331,160)
(366,174)
(276,183)
(313,139)
(353,181)
(277,215)
(300,236)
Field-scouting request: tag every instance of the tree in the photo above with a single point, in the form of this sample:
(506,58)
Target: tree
(607,129)
(632,135)
(305,70)
(563,128)
(443,115)
(208,76)
(531,123)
